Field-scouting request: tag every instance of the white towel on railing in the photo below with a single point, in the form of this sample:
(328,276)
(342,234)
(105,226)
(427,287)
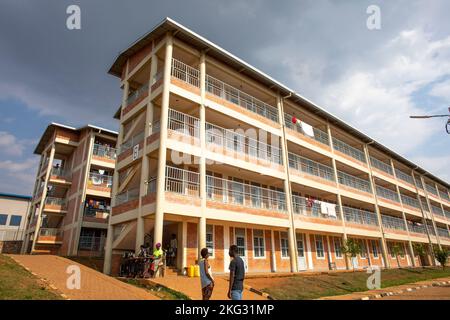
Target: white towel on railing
(332,210)
(307,129)
(323,208)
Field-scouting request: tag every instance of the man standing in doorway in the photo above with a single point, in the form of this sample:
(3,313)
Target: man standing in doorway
(237,274)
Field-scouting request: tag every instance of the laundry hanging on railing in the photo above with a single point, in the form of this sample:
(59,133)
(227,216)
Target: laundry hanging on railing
(328,209)
(306,128)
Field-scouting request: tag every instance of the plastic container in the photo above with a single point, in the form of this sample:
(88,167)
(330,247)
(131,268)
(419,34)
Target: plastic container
(190,271)
(197,270)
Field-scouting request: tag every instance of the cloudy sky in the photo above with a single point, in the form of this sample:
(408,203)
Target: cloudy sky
(373,79)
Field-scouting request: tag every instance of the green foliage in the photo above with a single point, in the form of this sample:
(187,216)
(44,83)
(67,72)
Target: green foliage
(419,249)
(441,256)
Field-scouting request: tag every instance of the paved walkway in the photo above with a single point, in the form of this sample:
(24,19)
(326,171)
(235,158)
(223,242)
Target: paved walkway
(94,285)
(191,287)
(401,290)
(430,293)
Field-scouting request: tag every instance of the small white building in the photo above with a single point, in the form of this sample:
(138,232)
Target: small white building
(13,212)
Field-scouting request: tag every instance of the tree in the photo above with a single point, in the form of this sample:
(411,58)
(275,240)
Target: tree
(419,250)
(396,250)
(351,248)
(441,256)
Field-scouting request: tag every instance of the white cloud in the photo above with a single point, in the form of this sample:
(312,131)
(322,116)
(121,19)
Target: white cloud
(18,177)
(441,90)
(436,165)
(12,146)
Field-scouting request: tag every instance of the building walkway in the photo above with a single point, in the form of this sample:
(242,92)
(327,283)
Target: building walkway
(94,285)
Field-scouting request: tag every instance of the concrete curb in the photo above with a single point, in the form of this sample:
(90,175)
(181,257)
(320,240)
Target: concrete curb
(259,292)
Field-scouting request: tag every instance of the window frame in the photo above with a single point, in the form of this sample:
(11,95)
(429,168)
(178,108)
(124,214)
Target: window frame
(210,250)
(374,246)
(5,216)
(336,250)
(260,247)
(11,220)
(245,241)
(316,237)
(284,238)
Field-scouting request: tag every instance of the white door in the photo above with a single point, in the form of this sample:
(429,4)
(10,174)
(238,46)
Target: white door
(301,260)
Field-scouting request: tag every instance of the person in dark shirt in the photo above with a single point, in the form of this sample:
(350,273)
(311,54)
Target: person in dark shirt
(237,274)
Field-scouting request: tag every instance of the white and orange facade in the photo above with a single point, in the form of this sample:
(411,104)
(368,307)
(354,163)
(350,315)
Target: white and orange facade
(71,201)
(208,151)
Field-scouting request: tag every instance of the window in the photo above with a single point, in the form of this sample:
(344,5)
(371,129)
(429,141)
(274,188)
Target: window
(15,221)
(390,246)
(240,241)
(3,218)
(402,250)
(258,243)
(210,239)
(337,248)
(284,245)
(374,249)
(319,247)
(363,249)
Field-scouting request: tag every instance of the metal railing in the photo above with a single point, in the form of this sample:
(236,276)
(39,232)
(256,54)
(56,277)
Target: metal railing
(425,206)
(137,94)
(387,193)
(311,167)
(158,76)
(418,183)
(447,213)
(236,96)
(444,195)
(437,210)
(347,149)
(360,216)
(381,165)
(130,143)
(354,182)
(11,234)
(91,243)
(53,201)
(182,181)
(416,228)
(404,176)
(300,206)
(98,179)
(319,135)
(239,143)
(60,172)
(128,195)
(151,185)
(96,212)
(247,195)
(443,232)
(185,73)
(50,232)
(412,202)
(431,189)
(431,229)
(104,151)
(390,222)
(184,123)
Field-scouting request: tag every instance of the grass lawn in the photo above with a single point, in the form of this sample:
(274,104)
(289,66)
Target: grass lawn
(159,291)
(16,283)
(301,287)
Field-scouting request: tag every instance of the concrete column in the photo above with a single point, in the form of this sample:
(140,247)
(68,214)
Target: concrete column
(108,249)
(309,251)
(202,166)
(160,180)
(226,246)
(273,257)
(287,189)
(427,198)
(377,209)
(183,248)
(43,197)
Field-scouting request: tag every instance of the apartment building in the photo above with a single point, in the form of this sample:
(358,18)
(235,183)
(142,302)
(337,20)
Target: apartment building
(71,201)
(13,212)
(218,153)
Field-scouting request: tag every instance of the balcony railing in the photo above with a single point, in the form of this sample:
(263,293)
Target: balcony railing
(425,206)
(311,167)
(60,202)
(443,232)
(431,229)
(183,182)
(50,232)
(416,228)
(128,195)
(100,180)
(184,123)
(241,144)
(354,182)
(319,135)
(130,143)
(104,151)
(300,206)
(101,213)
(418,183)
(387,194)
(60,172)
(247,195)
(404,176)
(236,96)
(412,202)
(360,216)
(444,195)
(91,243)
(185,73)
(431,189)
(381,165)
(390,222)
(437,210)
(347,149)
(137,94)
(447,213)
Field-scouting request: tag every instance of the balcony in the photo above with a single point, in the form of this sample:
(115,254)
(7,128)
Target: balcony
(348,150)
(447,213)
(130,143)
(359,216)
(301,207)
(393,223)
(60,173)
(128,195)
(184,124)
(381,165)
(354,182)
(417,228)
(92,243)
(100,182)
(319,135)
(387,194)
(404,176)
(136,95)
(311,167)
(437,211)
(411,202)
(444,195)
(443,232)
(245,195)
(185,73)
(431,189)
(104,151)
(55,204)
(419,183)
(50,235)
(182,182)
